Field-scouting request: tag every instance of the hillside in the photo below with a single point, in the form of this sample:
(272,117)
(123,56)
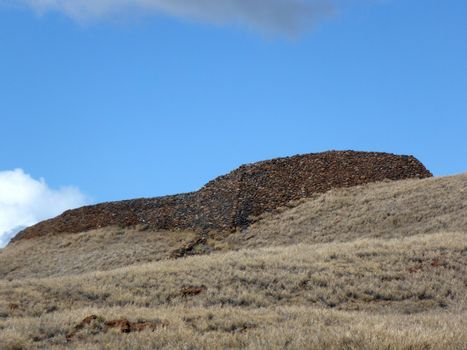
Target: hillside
(380,210)
(376,266)
(407,293)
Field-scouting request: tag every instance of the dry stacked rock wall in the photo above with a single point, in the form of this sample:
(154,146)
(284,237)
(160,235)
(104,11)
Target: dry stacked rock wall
(230,201)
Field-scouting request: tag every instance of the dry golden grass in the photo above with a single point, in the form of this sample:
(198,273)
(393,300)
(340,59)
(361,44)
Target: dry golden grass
(378,210)
(409,275)
(98,250)
(377,267)
(383,280)
(289,327)
(386,210)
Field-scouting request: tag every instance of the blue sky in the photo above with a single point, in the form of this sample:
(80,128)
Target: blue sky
(160,102)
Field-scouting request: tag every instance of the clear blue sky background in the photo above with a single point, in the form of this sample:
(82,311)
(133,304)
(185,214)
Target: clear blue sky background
(160,105)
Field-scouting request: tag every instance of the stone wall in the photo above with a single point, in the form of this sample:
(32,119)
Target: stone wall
(230,201)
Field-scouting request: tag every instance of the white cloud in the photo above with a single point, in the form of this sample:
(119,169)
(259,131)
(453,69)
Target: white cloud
(284,16)
(25,201)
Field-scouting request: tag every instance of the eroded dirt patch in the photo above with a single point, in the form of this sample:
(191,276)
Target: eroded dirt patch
(96,324)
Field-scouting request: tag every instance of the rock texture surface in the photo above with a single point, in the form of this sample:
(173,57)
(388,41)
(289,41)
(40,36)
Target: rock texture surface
(230,201)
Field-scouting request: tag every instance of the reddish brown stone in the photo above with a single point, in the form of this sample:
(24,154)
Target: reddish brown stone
(231,201)
(123,325)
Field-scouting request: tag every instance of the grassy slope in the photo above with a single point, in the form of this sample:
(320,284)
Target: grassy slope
(387,279)
(97,250)
(376,283)
(380,210)
(392,209)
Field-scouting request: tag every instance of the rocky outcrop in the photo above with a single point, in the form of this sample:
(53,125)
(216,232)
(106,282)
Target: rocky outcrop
(230,201)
